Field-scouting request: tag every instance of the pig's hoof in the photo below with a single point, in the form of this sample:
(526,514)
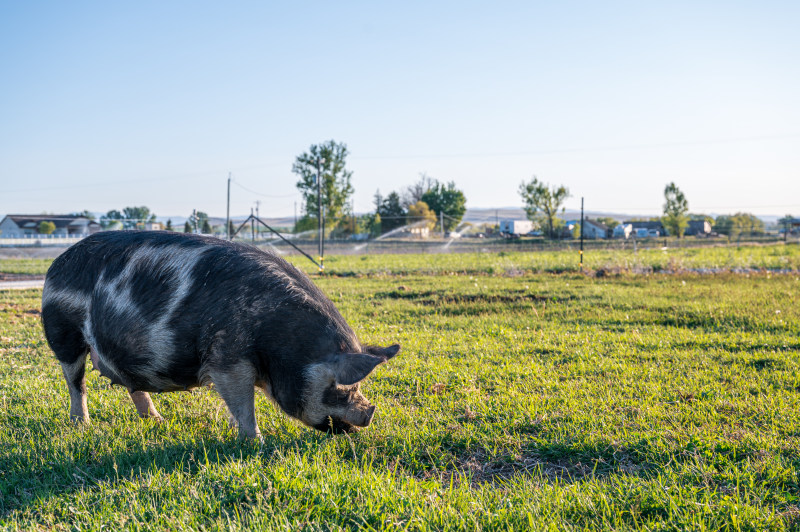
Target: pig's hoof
(79,420)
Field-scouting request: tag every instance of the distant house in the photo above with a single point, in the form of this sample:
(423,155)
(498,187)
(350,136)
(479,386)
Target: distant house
(698,227)
(420,231)
(27,225)
(647,229)
(594,229)
(153,226)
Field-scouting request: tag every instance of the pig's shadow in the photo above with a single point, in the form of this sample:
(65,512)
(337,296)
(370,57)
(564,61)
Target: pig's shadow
(27,479)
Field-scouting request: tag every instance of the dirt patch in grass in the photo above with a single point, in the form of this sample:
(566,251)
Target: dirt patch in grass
(436,297)
(21,276)
(480,467)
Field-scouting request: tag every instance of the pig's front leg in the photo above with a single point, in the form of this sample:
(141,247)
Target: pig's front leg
(145,406)
(236,386)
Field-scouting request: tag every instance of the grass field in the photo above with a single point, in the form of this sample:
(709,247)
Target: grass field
(520,401)
(731,258)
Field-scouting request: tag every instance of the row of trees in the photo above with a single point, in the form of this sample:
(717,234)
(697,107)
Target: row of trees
(422,203)
(543,202)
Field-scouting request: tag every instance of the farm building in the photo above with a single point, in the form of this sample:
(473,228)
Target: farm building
(515,227)
(594,229)
(27,225)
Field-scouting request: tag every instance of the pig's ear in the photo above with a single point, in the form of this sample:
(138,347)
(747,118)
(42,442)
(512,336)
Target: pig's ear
(350,368)
(386,352)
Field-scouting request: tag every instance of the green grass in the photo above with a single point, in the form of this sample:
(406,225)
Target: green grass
(25,266)
(770,257)
(519,401)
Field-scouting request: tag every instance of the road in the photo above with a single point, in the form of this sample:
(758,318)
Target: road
(21,285)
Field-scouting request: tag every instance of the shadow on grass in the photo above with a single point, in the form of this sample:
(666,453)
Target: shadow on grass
(28,478)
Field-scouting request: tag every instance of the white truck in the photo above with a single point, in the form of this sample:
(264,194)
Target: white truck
(515,228)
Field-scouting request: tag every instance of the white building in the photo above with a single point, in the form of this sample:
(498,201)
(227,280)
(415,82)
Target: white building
(27,225)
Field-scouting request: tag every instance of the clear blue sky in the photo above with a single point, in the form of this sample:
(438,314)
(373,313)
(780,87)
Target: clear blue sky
(108,104)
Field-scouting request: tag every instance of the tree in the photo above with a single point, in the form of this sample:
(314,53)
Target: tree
(391,212)
(420,212)
(609,222)
(738,224)
(542,203)
(369,223)
(413,193)
(785,225)
(446,199)
(169,225)
(335,183)
(676,210)
(305,223)
(187,227)
(130,217)
(206,230)
(86,214)
(46,228)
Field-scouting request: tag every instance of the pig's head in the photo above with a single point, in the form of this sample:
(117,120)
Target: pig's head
(332,401)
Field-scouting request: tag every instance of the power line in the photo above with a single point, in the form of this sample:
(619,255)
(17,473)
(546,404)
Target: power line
(263,195)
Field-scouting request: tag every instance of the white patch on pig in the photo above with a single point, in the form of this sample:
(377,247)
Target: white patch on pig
(71,299)
(180,264)
(319,377)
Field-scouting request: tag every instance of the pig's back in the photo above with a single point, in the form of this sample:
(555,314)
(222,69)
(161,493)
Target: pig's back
(152,304)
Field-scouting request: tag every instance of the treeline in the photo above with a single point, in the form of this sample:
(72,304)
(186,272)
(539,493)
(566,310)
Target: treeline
(420,206)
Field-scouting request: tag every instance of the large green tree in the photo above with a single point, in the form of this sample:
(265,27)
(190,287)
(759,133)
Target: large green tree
(446,199)
(542,203)
(336,188)
(676,210)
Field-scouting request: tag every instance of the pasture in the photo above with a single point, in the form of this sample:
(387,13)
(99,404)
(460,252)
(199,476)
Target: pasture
(526,396)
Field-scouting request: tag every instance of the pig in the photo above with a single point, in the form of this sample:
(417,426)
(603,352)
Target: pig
(160,312)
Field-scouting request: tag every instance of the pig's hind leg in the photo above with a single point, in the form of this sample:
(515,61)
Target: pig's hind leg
(145,406)
(75,375)
(67,342)
(236,386)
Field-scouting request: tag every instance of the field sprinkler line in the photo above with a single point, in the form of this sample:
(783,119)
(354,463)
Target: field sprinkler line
(252,218)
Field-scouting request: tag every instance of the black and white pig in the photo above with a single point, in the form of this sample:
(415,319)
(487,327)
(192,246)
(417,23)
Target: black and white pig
(161,312)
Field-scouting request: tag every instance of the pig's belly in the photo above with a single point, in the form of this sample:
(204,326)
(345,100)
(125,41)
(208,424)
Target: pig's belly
(143,377)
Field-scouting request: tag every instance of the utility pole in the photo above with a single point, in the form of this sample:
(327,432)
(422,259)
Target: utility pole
(228,211)
(252,226)
(441,221)
(320,217)
(295,215)
(194,220)
(581,254)
(786,230)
